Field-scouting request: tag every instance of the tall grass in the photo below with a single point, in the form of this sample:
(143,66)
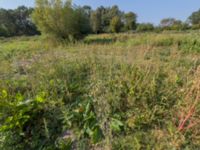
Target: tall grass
(117,91)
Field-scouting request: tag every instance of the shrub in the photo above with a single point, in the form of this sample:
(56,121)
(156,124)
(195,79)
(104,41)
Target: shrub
(115,24)
(145,27)
(60,19)
(3,31)
(195,27)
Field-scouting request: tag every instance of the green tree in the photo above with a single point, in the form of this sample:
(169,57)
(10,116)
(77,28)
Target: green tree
(60,19)
(194,18)
(172,24)
(115,24)
(107,15)
(95,22)
(145,27)
(102,17)
(7,22)
(167,22)
(87,9)
(23,22)
(17,22)
(195,27)
(130,21)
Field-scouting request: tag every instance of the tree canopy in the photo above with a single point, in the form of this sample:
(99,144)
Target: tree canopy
(115,24)
(143,27)
(60,19)
(17,22)
(194,19)
(63,20)
(130,21)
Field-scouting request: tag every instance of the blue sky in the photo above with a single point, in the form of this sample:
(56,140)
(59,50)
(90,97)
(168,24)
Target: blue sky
(147,10)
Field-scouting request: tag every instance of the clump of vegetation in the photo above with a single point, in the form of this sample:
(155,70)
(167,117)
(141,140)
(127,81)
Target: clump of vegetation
(145,27)
(17,22)
(173,24)
(194,18)
(60,19)
(115,24)
(130,21)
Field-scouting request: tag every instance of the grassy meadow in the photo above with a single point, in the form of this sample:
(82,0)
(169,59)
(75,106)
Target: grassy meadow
(109,91)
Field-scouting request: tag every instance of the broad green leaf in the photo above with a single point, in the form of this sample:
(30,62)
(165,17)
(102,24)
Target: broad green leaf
(97,135)
(116,125)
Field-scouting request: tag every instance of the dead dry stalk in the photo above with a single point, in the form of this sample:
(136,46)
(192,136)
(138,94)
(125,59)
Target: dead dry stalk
(187,119)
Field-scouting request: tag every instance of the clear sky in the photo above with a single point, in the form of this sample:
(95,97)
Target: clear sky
(147,10)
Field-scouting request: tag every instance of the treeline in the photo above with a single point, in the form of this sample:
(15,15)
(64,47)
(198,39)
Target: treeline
(111,19)
(16,22)
(65,20)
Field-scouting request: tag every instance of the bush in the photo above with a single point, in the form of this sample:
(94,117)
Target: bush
(145,27)
(115,24)
(60,19)
(3,31)
(195,27)
(17,22)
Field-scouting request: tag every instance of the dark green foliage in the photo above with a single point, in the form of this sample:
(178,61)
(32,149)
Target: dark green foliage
(195,18)
(173,24)
(7,23)
(95,21)
(108,14)
(61,19)
(195,27)
(102,17)
(115,24)
(87,10)
(130,21)
(145,27)
(23,22)
(16,22)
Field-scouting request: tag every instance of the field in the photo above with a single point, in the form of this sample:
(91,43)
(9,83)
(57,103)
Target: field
(108,91)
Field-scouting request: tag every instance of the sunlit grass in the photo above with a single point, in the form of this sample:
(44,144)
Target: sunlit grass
(117,91)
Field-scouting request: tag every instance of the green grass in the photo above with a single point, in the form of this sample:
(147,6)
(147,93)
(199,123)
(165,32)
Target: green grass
(109,91)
